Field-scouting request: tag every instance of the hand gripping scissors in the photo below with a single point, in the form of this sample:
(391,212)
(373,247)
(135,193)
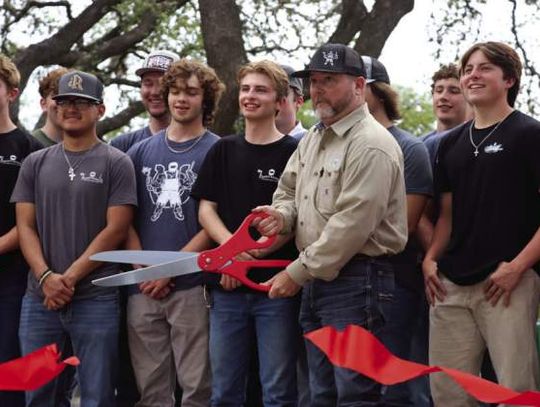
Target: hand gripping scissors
(221,260)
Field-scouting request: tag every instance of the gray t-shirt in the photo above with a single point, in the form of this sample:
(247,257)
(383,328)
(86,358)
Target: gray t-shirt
(70,213)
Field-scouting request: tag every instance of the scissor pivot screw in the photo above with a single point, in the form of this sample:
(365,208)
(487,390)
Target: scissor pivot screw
(208,260)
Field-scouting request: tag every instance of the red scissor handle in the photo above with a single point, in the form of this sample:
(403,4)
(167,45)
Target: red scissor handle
(221,259)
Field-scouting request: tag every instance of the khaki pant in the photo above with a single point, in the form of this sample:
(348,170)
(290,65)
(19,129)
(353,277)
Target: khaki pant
(168,336)
(464,324)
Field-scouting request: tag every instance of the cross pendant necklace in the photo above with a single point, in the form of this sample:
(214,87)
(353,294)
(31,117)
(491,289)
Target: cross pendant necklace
(71,173)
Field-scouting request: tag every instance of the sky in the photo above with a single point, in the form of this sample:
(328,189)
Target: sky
(408,54)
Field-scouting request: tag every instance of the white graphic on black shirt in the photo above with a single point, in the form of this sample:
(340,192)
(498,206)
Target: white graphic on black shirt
(493,148)
(91,177)
(169,188)
(10,160)
(271,176)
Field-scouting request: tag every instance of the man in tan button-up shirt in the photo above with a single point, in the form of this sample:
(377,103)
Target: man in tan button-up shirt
(343,194)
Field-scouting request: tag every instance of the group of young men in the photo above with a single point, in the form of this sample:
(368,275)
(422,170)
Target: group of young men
(352,201)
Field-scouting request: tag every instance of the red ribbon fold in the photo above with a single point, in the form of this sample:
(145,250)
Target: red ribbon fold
(33,370)
(357,349)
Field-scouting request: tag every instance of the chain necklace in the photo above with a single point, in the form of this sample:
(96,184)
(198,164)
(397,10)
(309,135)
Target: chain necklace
(72,168)
(185,150)
(477,146)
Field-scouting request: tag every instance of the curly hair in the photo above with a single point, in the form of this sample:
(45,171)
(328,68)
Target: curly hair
(9,72)
(212,86)
(48,84)
(503,56)
(444,72)
(276,74)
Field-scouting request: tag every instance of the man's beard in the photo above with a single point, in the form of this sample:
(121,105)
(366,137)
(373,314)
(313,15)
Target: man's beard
(324,112)
(328,111)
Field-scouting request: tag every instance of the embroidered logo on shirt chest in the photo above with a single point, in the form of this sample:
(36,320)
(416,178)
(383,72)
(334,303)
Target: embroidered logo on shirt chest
(333,163)
(92,177)
(493,148)
(270,176)
(11,160)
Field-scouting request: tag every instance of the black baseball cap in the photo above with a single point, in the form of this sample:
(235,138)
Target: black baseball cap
(80,84)
(334,58)
(295,83)
(375,70)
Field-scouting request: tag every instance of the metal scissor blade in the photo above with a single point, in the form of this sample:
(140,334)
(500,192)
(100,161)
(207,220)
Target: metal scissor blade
(146,257)
(171,269)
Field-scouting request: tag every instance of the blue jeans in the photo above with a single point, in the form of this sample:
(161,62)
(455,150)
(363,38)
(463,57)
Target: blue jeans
(235,319)
(10,309)
(356,297)
(405,330)
(90,327)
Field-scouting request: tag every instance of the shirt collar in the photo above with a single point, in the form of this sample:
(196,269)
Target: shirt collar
(343,125)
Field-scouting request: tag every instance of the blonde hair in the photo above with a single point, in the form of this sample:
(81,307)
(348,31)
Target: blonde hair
(277,75)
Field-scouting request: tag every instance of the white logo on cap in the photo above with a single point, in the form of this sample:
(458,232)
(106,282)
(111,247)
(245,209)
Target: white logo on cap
(159,62)
(329,57)
(75,82)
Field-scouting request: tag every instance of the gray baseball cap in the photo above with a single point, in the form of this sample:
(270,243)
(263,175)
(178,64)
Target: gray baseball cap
(295,83)
(80,84)
(157,61)
(375,70)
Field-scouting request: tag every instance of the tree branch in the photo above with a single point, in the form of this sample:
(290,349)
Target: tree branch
(351,20)
(120,119)
(50,50)
(383,18)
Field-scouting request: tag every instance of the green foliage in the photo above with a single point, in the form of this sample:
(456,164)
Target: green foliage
(306,115)
(416,111)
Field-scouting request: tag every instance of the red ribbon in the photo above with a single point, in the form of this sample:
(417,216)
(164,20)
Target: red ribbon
(33,370)
(357,349)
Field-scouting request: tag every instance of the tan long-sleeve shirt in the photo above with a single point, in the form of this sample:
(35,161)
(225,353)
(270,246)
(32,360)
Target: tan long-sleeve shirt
(343,193)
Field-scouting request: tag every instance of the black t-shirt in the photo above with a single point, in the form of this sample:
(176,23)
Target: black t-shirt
(239,176)
(15,146)
(495,195)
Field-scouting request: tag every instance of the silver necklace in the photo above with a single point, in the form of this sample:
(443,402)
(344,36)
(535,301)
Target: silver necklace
(72,168)
(185,150)
(477,146)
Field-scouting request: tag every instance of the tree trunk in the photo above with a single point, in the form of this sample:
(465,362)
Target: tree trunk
(222,36)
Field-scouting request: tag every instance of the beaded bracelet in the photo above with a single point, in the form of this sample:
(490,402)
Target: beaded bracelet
(45,274)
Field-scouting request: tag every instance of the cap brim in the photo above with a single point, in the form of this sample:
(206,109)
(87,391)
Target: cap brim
(78,95)
(305,73)
(142,71)
(301,74)
(297,89)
